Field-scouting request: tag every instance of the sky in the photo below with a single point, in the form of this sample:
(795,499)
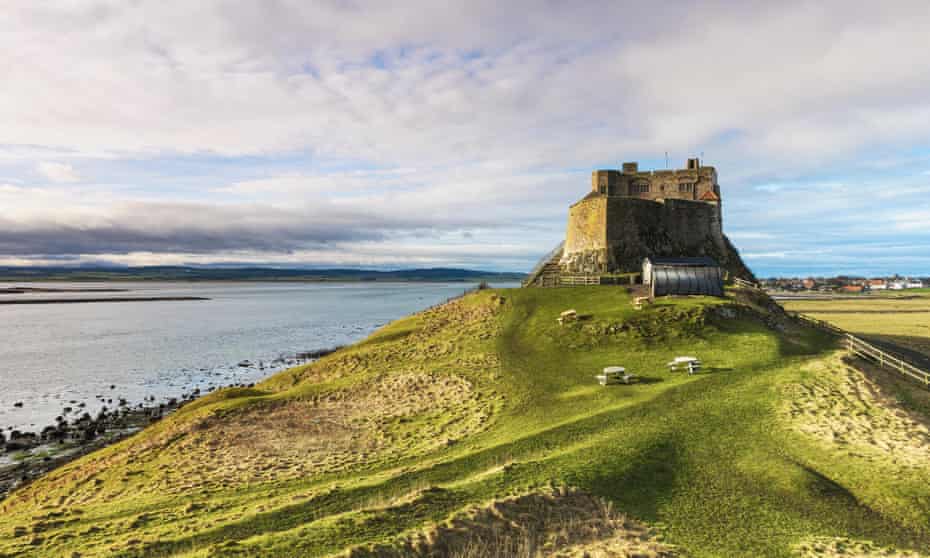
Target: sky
(427,134)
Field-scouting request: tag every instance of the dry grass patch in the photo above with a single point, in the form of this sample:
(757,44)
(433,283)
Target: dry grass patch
(390,417)
(836,547)
(558,523)
(842,407)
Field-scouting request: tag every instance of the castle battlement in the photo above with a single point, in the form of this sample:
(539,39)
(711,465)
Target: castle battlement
(694,182)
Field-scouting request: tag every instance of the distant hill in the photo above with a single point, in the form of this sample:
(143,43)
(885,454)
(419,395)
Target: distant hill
(183,273)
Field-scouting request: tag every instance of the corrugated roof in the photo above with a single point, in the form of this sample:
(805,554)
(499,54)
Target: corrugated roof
(674,280)
(702,261)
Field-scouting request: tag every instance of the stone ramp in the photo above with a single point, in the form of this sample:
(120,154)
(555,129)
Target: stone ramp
(547,272)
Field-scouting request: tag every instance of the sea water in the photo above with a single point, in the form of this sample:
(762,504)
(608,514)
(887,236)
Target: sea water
(54,356)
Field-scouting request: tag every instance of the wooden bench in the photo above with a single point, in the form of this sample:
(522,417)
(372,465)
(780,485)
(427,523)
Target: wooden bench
(615,375)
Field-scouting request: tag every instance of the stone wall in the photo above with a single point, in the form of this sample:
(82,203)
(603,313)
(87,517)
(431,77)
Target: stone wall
(586,236)
(666,184)
(613,234)
(685,184)
(640,228)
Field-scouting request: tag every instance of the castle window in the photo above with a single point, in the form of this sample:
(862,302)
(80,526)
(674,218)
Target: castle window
(686,187)
(640,188)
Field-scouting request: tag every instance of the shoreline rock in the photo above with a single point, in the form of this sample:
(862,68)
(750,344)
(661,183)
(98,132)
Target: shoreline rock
(33,454)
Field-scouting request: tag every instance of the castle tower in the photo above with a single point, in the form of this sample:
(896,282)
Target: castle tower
(605,182)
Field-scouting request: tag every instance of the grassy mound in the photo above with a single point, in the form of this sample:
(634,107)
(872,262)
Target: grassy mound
(486,403)
(557,523)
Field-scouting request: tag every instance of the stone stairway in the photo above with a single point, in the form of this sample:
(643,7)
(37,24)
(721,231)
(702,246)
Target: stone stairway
(547,272)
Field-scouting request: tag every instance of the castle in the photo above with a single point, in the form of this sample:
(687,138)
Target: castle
(630,215)
(694,182)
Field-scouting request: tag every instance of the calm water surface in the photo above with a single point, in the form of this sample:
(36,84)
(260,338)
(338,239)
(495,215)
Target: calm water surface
(51,354)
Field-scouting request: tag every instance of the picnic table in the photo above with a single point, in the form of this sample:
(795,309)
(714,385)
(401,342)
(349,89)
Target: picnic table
(613,375)
(567,316)
(689,363)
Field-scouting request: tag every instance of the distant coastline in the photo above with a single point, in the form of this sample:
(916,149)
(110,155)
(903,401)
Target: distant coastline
(182,273)
(33,290)
(101,299)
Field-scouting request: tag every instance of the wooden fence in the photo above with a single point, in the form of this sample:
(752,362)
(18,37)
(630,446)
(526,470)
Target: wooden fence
(739,282)
(576,280)
(865,350)
(818,323)
(868,351)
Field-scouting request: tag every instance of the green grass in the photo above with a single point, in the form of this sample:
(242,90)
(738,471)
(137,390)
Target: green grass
(708,459)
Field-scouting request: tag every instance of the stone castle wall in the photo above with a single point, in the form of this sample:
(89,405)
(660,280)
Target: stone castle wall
(613,234)
(586,235)
(640,228)
(685,184)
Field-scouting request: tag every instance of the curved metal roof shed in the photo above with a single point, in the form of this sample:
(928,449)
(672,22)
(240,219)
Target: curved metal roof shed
(683,276)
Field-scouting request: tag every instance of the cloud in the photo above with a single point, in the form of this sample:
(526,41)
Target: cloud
(464,81)
(215,129)
(58,172)
(187,228)
(200,228)
(750,235)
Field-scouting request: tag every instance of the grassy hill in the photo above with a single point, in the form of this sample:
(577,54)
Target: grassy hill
(478,426)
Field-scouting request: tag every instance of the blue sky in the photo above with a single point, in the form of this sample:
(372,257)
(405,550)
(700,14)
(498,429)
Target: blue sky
(416,134)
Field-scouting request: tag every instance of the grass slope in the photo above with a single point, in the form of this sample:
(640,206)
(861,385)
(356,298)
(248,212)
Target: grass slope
(483,399)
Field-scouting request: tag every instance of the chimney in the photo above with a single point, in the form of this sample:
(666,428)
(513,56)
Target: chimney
(631,167)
